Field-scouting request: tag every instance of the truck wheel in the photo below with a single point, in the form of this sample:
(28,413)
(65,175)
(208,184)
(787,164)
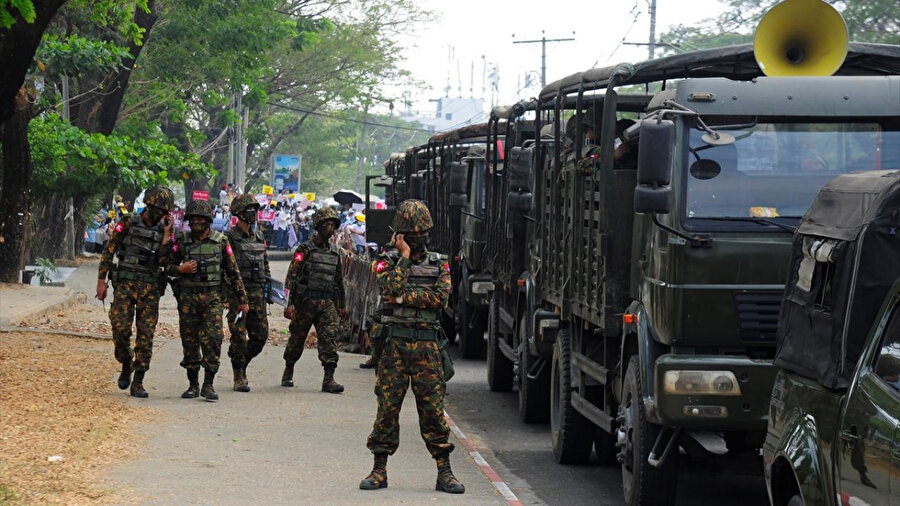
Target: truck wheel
(571,433)
(499,369)
(534,395)
(605,446)
(643,484)
(796,500)
(471,328)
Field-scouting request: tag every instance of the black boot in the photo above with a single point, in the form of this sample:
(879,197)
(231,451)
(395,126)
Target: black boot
(137,385)
(287,379)
(125,376)
(328,383)
(240,378)
(372,363)
(207,391)
(446,482)
(193,389)
(378,477)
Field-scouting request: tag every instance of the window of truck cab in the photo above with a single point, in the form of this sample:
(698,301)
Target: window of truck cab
(776,166)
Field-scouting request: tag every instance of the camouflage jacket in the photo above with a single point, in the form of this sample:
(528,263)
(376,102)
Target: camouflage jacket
(392,271)
(231,275)
(295,271)
(116,236)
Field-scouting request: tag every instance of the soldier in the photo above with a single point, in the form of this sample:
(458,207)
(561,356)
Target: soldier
(316,289)
(198,261)
(250,252)
(415,287)
(142,247)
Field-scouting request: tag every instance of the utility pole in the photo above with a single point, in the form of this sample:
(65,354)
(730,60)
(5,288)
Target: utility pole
(229,173)
(652,49)
(544,40)
(70,207)
(360,147)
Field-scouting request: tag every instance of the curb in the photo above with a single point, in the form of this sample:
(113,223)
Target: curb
(475,454)
(45,308)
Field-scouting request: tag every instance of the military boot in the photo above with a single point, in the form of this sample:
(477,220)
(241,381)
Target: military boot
(328,383)
(125,376)
(378,477)
(240,378)
(207,391)
(446,482)
(137,385)
(287,378)
(193,389)
(372,363)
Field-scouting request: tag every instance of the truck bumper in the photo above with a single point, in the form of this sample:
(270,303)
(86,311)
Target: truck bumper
(746,411)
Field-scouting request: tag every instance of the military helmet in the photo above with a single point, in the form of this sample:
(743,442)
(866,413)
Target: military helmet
(199,208)
(159,196)
(412,216)
(242,202)
(325,214)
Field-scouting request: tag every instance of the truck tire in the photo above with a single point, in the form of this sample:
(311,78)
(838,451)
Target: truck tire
(471,327)
(571,433)
(605,447)
(534,395)
(500,371)
(642,484)
(796,500)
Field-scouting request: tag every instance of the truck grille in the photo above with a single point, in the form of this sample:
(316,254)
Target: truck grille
(758,314)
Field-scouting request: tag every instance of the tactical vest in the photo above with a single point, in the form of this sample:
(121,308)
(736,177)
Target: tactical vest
(318,273)
(137,254)
(423,275)
(250,255)
(208,255)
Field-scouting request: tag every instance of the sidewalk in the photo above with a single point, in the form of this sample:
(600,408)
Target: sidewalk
(24,302)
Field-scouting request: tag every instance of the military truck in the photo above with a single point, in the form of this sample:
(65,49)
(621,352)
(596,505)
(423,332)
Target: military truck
(652,294)
(834,424)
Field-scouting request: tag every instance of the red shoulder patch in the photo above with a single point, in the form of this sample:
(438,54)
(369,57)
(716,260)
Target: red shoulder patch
(380,266)
(229,250)
(299,257)
(120,227)
(447,267)
(175,247)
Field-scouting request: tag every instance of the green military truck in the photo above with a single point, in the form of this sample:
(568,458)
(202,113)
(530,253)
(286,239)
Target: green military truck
(654,284)
(834,423)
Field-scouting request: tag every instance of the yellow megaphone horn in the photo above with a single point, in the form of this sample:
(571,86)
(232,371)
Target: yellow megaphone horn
(801,38)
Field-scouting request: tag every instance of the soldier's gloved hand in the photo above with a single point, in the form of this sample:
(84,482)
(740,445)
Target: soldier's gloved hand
(244,308)
(289,312)
(101,289)
(188,267)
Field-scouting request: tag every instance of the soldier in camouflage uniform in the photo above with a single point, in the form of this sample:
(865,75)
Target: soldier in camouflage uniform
(316,291)
(250,252)
(142,246)
(415,287)
(202,260)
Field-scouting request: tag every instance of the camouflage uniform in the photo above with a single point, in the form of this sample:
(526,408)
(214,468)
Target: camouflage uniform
(141,250)
(316,291)
(200,297)
(250,253)
(410,353)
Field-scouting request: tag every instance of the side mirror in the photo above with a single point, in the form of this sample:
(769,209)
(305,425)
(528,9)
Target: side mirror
(657,141)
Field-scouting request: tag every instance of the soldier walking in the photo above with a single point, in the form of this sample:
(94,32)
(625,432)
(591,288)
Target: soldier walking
(415,287)
(316,290)
(249,331)
(202,260)
(142,246)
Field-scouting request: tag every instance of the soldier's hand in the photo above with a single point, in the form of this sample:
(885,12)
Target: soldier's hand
(226,304)
(101,289)
(244,308)
(390,299)
(289,312)
(401,245)
(188,267)
(167,224)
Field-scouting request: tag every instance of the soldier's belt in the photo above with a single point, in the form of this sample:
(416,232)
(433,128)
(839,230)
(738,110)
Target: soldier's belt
(199,289)
(412,334)
(145,277)
(317,294)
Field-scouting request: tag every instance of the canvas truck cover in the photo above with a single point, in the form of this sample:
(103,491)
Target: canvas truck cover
(846,256)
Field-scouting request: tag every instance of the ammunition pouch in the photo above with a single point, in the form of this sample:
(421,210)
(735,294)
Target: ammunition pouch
(447,370)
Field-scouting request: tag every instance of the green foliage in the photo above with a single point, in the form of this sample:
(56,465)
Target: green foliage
(69,161)
(25,9)
(75,56)
(45,270)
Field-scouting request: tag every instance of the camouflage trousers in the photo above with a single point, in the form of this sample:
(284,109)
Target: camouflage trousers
(132,297)
(323,314)
(403,363)
(248,336)
(200,326)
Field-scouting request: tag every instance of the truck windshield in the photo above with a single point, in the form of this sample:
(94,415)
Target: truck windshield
(775,169)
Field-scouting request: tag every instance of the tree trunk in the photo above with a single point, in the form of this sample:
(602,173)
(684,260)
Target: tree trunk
(15,197)
(50,228)
(17,47)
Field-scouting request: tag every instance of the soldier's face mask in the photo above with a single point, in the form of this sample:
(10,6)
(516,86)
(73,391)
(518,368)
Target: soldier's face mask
(156,214)
(417,241)
(249,216)
(198,224)
(326,229)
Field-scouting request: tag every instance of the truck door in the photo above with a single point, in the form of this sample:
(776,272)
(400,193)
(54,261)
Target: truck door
(867,453)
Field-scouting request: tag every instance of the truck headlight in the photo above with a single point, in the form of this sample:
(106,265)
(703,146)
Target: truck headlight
(482,287)
(701,383)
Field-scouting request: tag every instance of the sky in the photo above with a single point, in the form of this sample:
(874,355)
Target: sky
(476,28)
